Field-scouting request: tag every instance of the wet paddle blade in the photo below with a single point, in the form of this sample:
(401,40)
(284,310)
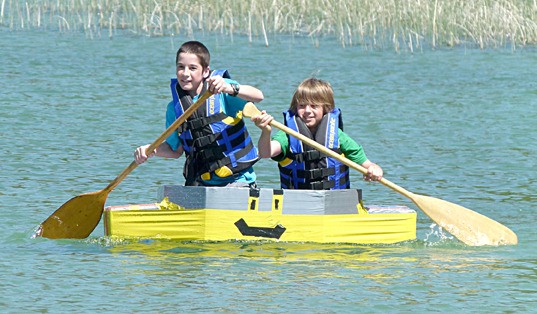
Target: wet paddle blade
(466,225)
(75,219)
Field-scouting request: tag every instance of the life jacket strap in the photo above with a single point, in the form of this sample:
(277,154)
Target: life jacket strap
(313,174)
(319,185)
(318,173)
(310,156)
(212,150)
(198,123)
(212,166)
(210,154)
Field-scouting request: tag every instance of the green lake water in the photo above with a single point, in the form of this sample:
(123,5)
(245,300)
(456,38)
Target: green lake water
(457,124)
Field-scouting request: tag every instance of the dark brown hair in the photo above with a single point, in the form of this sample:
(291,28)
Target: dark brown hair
(195,48)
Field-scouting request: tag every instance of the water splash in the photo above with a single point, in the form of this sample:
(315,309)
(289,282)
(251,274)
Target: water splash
(437,235)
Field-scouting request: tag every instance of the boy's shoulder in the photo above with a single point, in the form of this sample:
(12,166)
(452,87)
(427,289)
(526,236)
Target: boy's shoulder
(170,107)
(346,140)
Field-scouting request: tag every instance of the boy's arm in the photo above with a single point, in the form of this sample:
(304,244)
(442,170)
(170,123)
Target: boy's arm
(355,152)
(171,148)
(265,146)
(217,84)
(248,93)
(163,150)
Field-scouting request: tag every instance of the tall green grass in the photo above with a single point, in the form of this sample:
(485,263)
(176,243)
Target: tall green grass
(373,24)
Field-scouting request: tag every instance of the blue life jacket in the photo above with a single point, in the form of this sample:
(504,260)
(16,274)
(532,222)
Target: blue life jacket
(214,143)
(307,168)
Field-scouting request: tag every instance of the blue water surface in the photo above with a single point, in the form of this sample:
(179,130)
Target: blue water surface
(458,124)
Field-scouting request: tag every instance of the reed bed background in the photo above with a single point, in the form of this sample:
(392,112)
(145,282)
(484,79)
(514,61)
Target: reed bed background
(373,24)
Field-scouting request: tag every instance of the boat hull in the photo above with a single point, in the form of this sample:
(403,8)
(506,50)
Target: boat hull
(256,219)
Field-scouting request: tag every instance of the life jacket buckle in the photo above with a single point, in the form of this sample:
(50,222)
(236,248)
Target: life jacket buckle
(203,141)
(195,124)
(312,155)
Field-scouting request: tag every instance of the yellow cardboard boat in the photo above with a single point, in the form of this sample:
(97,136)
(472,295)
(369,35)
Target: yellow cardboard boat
(222,213)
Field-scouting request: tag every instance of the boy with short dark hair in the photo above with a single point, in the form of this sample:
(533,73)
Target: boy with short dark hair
(219,151)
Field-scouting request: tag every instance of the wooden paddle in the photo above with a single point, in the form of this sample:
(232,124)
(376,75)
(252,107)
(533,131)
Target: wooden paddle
(466,225)
(79,216)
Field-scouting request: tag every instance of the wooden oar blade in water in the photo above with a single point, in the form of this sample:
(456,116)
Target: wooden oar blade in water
(75,219)
(466,225)
(78,217)
(470,227)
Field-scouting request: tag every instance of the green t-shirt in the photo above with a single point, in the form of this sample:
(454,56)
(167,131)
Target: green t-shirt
(347,145)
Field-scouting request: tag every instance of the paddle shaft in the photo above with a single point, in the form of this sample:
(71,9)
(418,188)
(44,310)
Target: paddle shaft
(337,156)
(201,100)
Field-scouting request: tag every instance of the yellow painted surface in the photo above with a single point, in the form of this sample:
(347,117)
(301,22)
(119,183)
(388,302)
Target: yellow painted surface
(219,225)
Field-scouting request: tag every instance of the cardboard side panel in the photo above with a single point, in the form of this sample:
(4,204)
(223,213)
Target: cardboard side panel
(294,201)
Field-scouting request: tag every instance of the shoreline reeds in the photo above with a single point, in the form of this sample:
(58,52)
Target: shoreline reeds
(374,24)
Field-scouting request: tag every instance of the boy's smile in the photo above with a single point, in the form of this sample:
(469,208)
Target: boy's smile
(190,73)
(312,114)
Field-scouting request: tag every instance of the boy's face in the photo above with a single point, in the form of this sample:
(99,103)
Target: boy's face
(312,114)
(190,73)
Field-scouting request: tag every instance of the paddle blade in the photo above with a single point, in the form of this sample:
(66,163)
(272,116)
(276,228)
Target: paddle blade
(75,219)
(466,225)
